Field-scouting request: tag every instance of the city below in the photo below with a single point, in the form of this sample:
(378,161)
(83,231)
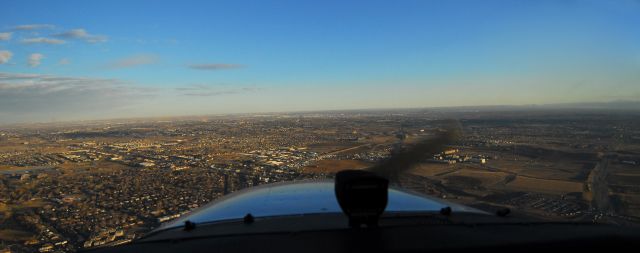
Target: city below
(78,185)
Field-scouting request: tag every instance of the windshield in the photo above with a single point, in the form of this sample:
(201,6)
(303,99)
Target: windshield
(119,117)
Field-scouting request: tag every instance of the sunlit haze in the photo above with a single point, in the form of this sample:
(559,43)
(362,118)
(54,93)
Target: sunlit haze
(77,60)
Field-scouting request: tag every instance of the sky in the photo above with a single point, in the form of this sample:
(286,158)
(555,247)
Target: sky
(81,60)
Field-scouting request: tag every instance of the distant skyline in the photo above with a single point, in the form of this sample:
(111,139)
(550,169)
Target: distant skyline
(82,60)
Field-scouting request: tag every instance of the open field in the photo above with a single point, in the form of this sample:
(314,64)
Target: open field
(625,179)
(352,150)
(98,166)
(485,178)
(382,139)
(465,176)
(14,235)
(332,166)
(557,170)
(331,147)
(34,203)
(477,182)
(10,168)
(433,169)
(29,143)
(544,185)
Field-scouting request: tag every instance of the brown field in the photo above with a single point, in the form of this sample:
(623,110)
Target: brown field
(624,179)
(14,235)
(54,149)
(432,169)
(625,189)
(487,178)
(624,175)
(353,150)
(10,168)
(34,203)
(544,185)
(332,166)
(557,170)
(325,131)
(331,147)
(108,165)
(93,167)
(13,148)
(624,169)
(383,139)
(33,143)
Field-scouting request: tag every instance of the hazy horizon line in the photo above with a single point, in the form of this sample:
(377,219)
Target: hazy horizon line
(618,105)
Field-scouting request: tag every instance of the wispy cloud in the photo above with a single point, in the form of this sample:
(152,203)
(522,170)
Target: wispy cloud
(195,87)
(199,90)
(41,83)
(5,56)
(44,84)
(40,96)
(215,66)
(133,61)
(33,27)
(18,76)
(5,36)
(64,61)
(42,40)
(221,92)
(82,34)
(35,59)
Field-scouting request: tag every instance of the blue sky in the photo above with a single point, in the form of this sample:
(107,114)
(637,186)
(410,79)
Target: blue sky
(87,59)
